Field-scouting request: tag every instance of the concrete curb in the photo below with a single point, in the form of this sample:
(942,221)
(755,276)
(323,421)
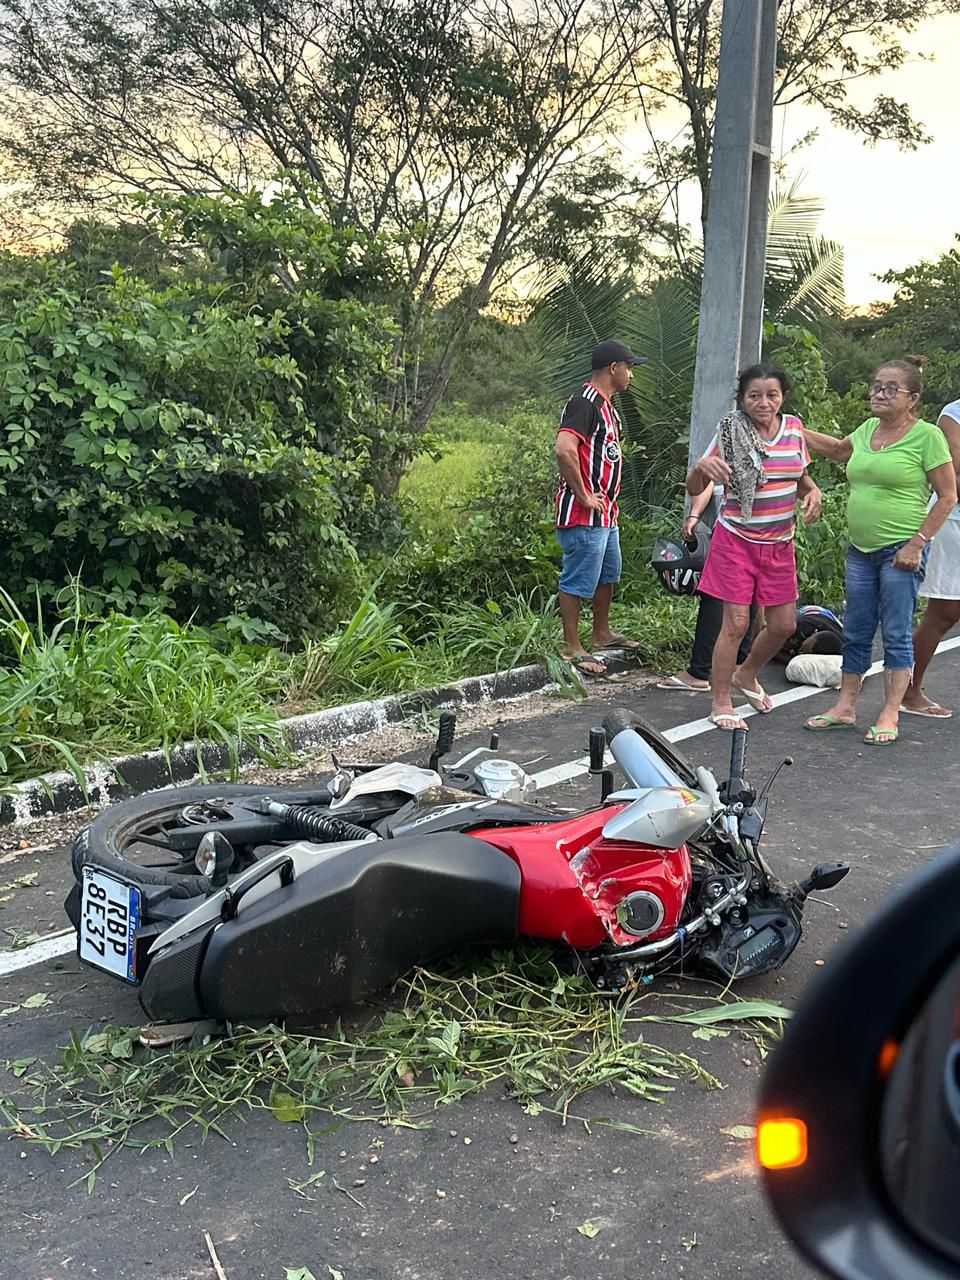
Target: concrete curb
(56,793)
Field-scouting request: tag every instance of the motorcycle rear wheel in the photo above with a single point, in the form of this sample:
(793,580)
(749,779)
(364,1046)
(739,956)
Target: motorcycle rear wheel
(131,839)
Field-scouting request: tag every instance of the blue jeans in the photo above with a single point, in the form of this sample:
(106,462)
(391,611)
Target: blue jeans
(879,593)
(591,557)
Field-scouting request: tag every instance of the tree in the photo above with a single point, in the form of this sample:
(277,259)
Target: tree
(207,446)
(923,317)
(824,47)
(449,125)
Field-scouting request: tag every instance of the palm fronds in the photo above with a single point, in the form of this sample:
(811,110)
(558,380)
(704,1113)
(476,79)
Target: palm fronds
(595,299)
(804,271)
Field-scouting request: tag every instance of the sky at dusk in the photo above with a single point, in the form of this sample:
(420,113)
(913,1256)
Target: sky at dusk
(887,207)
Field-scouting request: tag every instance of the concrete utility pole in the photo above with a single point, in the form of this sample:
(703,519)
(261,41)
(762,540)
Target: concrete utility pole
(731,303)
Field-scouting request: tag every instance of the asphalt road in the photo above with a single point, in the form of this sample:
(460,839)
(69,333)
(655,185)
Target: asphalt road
(681,1200)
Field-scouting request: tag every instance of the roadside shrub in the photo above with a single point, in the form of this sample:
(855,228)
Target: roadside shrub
(155,449)
(211,447)
(502,542)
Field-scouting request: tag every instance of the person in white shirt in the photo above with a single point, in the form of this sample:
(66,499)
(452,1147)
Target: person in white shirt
(941,586)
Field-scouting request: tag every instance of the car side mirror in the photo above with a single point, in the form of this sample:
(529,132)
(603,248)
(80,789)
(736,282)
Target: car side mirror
(858,1125)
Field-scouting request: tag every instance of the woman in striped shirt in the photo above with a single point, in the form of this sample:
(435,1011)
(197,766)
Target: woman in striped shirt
(760,457)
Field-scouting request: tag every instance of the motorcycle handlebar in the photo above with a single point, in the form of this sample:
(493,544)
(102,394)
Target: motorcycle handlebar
(738,755)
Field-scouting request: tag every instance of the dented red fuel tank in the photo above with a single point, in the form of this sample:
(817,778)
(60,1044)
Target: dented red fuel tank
(574,881)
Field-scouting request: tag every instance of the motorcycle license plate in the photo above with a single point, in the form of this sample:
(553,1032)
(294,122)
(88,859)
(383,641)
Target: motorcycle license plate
(109,918)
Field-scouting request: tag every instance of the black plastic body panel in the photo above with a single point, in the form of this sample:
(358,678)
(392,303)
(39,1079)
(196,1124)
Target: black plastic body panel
(353,924)
(417,818)
(170,991)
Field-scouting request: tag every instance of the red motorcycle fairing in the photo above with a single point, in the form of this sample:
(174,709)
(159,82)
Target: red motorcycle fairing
(573,879)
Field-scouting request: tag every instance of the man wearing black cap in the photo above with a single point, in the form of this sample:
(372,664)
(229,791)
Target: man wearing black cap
(590,463)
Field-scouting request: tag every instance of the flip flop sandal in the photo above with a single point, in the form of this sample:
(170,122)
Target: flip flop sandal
(874,739)
(754,696)
(577,662)
(941,713)
(829,722)
(727,721)
(623,641)
(674,682)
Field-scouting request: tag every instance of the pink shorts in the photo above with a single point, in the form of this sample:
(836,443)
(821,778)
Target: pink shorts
(744,572)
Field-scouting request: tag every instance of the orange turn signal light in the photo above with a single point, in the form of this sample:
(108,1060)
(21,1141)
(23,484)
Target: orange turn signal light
(781,1144)
(887,1056)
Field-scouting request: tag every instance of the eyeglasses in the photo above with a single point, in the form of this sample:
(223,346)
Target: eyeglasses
(888,389)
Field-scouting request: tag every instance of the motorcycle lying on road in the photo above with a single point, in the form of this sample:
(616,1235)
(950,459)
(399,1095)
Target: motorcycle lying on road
(254,902)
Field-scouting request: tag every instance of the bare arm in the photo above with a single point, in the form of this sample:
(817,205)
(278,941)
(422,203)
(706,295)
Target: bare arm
(697,507)
(836,448)
(943,481)
(568,461)
(811,499)
(705,474)
(951,429)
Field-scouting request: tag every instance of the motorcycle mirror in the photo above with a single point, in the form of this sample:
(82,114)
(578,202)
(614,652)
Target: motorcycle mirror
(858,1125)
(340,783)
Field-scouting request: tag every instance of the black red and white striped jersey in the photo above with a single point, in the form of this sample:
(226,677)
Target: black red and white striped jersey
(593,419)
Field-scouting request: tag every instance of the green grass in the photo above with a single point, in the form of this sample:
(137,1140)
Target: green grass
(513,1021)
(91,688)
(441,488)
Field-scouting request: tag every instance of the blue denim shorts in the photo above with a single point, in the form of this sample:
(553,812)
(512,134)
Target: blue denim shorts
(879,594)
(591,557)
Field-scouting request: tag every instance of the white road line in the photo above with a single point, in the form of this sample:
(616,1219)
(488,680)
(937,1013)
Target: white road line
(679,733)
(56,944)
(60,944)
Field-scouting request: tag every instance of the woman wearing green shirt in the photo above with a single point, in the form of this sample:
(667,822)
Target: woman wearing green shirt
(892,460)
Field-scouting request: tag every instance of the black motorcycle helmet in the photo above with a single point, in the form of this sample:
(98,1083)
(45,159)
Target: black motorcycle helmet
(678,562)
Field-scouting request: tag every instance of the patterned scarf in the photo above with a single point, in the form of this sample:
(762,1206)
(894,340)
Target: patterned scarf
(743,449)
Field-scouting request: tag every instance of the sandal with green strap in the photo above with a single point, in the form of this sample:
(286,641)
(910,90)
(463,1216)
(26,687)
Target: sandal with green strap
(827,721)
(881,737)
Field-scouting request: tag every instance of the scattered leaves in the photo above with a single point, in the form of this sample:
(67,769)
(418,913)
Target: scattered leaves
(285,1107)
(742,1131)
(22,882)
(515,1022)
(37,1001)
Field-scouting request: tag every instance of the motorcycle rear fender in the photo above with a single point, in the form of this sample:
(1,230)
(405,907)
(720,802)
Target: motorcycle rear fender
(341,931)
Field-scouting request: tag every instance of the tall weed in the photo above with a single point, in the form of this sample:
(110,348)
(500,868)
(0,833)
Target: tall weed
(370,654)
(90,688)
